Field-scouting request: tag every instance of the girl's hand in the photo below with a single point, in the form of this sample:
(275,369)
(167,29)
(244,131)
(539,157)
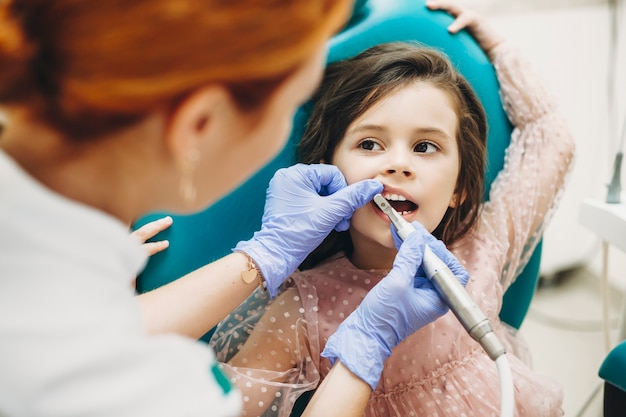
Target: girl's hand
(475,23)
(149,230)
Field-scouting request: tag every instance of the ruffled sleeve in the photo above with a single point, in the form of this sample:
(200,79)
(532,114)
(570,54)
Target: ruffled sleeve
(525,193)
(263,348)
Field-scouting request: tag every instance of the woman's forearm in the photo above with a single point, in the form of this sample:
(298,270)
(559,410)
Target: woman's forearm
(193,304)
(341,394)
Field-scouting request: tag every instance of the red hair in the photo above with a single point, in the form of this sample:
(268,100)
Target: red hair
(91,66)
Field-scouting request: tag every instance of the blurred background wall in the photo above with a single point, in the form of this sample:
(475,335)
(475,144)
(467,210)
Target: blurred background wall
(571,43)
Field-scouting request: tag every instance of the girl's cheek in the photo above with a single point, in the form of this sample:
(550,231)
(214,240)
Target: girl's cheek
(359,171)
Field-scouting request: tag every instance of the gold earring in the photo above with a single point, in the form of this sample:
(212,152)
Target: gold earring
(187,189)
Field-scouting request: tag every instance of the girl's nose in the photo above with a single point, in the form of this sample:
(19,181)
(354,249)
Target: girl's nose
(398,163)
(405,172)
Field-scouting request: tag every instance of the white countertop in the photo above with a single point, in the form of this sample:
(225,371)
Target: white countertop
(608,221)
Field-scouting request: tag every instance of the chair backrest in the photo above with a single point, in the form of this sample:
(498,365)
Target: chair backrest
(210,234)
(613,367)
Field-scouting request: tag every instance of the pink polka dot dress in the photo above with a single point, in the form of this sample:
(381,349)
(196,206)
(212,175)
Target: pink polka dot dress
(271,348)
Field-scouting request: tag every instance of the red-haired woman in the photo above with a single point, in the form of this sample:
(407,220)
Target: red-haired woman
(118,108)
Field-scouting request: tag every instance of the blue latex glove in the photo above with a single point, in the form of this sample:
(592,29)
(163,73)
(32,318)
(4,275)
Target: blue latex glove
(304,204)
(399,305)
(439,249)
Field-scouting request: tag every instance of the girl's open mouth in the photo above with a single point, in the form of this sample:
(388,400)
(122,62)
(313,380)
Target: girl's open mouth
(400,203)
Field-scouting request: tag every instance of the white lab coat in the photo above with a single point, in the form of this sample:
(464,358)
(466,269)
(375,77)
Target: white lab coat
(72,341)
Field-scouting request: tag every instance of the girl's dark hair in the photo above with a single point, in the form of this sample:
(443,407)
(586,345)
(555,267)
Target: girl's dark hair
(352,86)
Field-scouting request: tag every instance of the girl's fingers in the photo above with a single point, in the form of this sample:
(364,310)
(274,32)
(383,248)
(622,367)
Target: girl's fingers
(468,19)
(449,6)
(150,229)
(463,17)
(155,247)
(461,22)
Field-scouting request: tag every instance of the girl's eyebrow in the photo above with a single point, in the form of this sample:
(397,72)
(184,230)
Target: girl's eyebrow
(419,130)
(433,130)
(367,127)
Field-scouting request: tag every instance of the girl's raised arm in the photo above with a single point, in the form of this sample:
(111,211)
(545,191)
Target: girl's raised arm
(525,193)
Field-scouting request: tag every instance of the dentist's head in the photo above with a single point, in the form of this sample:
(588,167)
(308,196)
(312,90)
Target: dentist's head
(163,104)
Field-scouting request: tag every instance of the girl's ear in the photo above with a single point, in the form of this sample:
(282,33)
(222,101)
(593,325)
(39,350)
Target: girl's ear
(457,200)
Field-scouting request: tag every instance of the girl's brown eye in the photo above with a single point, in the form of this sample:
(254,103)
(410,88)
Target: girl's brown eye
(425,147)
(420,147)
(367,145)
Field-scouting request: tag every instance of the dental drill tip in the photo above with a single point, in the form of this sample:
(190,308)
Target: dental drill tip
(380,201)
(386,208)
(403,227)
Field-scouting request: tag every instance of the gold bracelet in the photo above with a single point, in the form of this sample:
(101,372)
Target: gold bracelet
(253,273)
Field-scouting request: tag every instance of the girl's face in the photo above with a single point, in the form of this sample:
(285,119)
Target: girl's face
(408,142)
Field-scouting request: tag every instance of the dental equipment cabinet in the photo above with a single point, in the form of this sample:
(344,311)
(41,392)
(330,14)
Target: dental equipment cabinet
(608,222)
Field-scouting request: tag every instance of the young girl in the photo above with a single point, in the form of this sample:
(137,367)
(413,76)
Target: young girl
(401,114)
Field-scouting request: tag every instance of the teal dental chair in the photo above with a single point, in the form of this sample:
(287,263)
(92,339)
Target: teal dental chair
(198,239)
(613,372)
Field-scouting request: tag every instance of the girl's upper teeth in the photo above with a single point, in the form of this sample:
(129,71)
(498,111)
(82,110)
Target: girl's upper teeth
(395,197)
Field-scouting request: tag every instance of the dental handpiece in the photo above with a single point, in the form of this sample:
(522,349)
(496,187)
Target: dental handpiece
(464,308)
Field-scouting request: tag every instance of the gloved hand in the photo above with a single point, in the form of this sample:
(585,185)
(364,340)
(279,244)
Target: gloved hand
(439,249)
(304,203)
(399,305)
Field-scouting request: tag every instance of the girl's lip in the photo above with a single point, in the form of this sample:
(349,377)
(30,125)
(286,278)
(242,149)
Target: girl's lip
(390,190)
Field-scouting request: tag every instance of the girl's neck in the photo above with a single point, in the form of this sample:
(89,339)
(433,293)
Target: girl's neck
(371,255)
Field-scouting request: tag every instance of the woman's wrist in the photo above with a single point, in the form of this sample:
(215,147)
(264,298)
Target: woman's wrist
(252,273)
